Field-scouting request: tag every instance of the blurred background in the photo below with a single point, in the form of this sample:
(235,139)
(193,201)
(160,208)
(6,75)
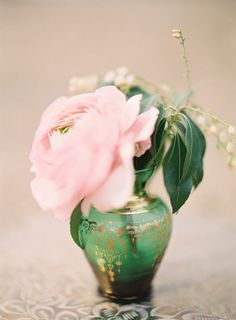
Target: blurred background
(45,43)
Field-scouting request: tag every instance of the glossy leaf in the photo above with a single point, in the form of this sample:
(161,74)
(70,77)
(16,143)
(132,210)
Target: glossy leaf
(74,225)
(197,175)
(173,165)
(158,141)
(183,163)
(196,146)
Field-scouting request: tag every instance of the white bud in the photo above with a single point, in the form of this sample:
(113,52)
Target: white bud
(165,87)
(122,70)
(232,161)
(73,84)
(223,136)
(119,79)
(130,79)
(229,147)
(176,33)
(109,76)
(231,130)
(201,119)
(86,84)
(213,128)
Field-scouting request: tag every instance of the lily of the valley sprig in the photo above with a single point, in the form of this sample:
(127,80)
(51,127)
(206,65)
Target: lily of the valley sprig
(180,124)
(210,124)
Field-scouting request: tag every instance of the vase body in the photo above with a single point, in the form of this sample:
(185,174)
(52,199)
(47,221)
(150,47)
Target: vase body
(125,247)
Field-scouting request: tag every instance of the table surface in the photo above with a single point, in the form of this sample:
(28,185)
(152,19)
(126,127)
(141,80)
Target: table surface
(43,275)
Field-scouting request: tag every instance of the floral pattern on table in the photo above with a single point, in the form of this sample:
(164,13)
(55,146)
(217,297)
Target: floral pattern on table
(36,298)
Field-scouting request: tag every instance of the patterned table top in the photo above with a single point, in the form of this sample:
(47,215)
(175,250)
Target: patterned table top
(43,275)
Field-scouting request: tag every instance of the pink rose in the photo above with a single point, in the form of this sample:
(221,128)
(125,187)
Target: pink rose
(83,150)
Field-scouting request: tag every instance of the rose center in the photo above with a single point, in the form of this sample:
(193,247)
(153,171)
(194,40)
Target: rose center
(67,122)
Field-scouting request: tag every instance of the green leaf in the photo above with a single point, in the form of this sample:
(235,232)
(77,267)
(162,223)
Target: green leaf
(142,162)
(159,156)
(183,163)
(158,136)
(141,178)
(196,145)
(183,97)
(137,90)
(74,225)
(148,100)
(158,142)
(173,165)
(198,174)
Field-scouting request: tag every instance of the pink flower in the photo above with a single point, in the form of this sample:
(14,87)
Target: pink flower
(142,146)
(83,150)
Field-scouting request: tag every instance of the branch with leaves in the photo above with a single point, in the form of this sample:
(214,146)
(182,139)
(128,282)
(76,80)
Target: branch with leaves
(178,142)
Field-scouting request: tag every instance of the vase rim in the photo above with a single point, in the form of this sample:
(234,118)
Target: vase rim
(141,208)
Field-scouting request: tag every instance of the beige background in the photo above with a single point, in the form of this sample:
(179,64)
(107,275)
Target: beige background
(44,43)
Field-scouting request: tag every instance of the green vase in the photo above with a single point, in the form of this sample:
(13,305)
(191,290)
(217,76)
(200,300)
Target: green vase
(125,247)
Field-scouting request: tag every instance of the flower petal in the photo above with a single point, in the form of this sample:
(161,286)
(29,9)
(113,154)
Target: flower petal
(144,125)
(131,111)
(51,197)
(117,189)
(111,96)
(142,147)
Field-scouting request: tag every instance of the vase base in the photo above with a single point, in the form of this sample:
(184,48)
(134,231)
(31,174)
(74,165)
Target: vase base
(127,299)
